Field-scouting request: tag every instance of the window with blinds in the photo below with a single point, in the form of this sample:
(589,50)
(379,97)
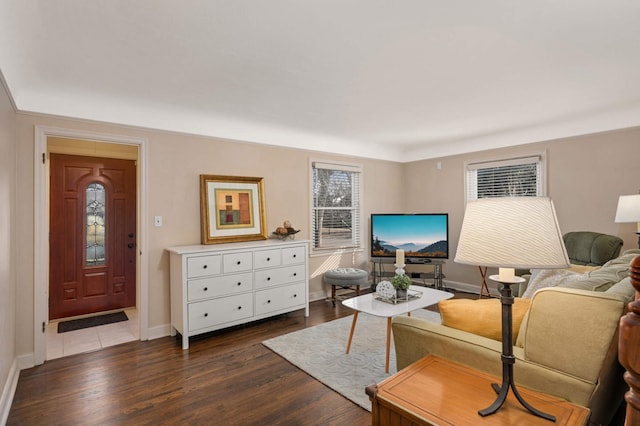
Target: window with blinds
(513,177)
(335,210)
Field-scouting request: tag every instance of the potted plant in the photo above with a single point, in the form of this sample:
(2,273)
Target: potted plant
(401,283)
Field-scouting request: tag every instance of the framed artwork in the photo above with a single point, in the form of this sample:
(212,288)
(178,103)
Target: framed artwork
(232,209)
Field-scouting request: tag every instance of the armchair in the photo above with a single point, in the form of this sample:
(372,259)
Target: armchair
(591,248)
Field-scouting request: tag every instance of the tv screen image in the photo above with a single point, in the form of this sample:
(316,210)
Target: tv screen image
(421,236)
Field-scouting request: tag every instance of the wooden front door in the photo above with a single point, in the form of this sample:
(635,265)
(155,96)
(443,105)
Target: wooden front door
(92,242)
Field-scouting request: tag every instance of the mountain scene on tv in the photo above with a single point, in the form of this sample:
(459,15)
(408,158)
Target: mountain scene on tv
(438,249)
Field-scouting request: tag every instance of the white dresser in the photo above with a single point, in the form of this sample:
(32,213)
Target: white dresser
(218,286)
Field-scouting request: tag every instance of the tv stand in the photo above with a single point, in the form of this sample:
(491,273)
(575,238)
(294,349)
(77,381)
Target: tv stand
(417,261)
(380,271)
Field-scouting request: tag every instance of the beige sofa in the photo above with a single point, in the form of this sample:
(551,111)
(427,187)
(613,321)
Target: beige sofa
(566,344)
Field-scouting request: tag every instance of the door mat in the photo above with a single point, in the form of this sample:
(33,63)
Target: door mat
(81,323)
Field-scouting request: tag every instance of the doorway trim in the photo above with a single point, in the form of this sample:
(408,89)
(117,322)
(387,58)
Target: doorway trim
(41,229)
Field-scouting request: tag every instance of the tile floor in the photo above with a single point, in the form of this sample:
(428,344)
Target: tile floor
(91,339)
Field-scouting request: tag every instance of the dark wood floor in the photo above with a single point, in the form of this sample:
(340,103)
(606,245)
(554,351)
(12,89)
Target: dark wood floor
(225,378)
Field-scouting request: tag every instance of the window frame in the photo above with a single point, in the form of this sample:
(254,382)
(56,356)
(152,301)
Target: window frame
(471,167)
(357,196)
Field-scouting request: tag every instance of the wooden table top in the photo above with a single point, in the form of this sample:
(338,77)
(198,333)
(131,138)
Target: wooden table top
(436,391)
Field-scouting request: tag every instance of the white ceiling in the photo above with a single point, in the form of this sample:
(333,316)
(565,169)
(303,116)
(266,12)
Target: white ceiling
(399,80)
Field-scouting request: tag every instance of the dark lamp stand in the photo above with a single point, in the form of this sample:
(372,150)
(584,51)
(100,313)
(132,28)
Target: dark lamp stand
(508,360)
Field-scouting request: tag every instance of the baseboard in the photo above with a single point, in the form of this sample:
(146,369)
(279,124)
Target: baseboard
(467,288)
(159,331)
(26,361)
(318,295)
(8,392)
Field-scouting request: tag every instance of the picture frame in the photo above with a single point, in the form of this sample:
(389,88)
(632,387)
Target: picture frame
(232,209)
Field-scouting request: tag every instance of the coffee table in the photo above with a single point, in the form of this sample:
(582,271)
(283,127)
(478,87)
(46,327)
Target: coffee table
(370,304)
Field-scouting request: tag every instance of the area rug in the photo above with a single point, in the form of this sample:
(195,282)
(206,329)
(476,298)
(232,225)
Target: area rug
(320,352)
(81,323)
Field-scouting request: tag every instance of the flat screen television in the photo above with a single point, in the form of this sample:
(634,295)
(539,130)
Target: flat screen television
(422,236)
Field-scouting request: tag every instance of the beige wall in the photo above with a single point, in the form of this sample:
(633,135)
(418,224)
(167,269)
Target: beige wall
(585,176)
(175,162)
(7,239)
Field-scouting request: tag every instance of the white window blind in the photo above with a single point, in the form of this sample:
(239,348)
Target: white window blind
(513,177)
(335,211)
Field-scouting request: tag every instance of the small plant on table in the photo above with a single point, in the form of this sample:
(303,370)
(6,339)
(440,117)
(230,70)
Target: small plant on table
(401,283)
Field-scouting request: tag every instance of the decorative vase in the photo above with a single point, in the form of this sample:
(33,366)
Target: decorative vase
(401,293)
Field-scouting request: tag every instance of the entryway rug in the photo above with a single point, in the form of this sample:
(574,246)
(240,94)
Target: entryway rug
(81,323)
(320,352)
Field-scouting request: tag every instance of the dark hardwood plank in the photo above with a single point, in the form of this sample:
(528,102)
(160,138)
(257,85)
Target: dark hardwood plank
(225,378)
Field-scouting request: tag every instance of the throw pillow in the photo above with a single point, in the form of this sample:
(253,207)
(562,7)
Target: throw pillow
(581,269)
(623,290)
(549,278)
(482,317)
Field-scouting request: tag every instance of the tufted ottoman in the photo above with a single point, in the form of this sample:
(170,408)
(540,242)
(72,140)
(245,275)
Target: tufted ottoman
(345,278)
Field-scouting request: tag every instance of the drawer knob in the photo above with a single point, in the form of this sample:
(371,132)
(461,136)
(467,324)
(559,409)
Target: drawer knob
(295,255)
(268,278)
(204,267)
(238,262)
(206,314)
(239,307)
(239,283)
(206,288)
(295,274)
(269,301)
(268,259)
(295,295)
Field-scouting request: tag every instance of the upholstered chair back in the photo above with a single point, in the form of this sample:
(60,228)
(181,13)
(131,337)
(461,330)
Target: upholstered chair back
(591,248)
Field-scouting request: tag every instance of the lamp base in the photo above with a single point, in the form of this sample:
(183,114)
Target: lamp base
(507,357)
(503,391)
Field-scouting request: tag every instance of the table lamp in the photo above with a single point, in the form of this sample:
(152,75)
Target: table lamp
(629,211)
(509,233)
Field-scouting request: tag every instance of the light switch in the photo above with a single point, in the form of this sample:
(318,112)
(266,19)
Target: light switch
(157,221)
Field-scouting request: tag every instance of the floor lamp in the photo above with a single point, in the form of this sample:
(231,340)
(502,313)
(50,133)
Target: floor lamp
(510,233)
(628,211)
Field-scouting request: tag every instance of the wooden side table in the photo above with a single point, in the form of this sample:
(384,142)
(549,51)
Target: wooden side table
(435,391)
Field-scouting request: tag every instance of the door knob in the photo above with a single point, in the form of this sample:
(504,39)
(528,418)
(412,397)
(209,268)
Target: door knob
(130,245)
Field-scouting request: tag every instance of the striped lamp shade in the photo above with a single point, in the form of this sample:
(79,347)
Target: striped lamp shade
(511,232)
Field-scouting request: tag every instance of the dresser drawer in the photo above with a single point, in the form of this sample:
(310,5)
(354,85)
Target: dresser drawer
(278,276)
(267,258)
(237,262)
(209,313)
(278,298)
(293,255)
(202,266)
(221,285)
